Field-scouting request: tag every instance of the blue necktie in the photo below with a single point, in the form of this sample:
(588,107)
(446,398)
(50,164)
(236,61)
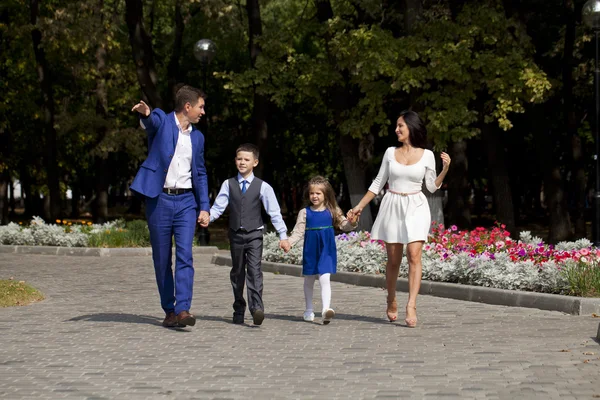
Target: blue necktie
(244,186)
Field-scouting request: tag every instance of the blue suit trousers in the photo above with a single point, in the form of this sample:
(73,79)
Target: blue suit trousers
(173,216)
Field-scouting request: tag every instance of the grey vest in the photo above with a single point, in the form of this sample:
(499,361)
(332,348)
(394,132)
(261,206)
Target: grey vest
(245,210)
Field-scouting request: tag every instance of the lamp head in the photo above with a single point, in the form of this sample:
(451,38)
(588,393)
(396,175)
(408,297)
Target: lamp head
(205,50)
(591,14)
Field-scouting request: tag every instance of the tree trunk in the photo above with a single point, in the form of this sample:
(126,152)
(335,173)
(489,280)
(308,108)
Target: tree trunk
(75,197)
(173,69)
(554,201)
(554,194)
(143,55)
(339,101)
(413,10)
(4,182)
(459,211)
(100,209)
(436,205)
(260,130)
(50,159)
(578,192)
(12,202)
(26,194)
(354,171)
(502,193)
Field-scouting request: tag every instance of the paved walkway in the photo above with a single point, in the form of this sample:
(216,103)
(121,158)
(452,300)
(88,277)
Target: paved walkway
(98,336)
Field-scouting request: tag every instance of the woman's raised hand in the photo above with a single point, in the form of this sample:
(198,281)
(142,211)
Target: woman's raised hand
(445,160)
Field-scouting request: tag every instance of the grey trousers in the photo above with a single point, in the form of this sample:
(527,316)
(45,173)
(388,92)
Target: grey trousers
(246,255)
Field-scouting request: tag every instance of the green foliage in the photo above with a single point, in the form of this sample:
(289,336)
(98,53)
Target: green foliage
(583,278)
(132,234)
(460,71)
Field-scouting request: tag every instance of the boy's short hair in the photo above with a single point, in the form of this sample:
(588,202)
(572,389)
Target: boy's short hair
(187,94)
(250,148)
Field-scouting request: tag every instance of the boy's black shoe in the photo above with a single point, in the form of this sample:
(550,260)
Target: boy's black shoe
(238,319)
(258,316)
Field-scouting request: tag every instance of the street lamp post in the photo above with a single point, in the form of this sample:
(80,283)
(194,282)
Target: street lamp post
(591,17)
(204,51)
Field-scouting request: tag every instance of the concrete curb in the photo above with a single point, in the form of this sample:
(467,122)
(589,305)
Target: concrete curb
(512,298)
(91,251)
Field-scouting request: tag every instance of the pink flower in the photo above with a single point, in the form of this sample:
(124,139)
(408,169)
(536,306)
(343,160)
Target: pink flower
(500,244)
(454,228)
(584,252)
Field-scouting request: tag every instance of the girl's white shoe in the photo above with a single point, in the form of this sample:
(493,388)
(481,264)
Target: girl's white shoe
(327,315)
(309,316)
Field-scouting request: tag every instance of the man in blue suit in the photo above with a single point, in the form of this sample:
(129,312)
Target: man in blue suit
(174,184)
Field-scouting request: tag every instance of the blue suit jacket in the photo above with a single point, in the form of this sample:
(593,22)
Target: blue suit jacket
(162,139)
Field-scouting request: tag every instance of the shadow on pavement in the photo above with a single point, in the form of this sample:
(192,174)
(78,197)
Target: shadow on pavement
(150,320)
(228,321)
(344,317)
(119,317)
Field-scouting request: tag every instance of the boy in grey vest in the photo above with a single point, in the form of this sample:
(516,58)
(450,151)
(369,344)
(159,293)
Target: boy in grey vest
(245,195)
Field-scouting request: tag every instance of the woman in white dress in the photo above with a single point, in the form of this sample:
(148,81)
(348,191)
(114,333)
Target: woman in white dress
(404,217)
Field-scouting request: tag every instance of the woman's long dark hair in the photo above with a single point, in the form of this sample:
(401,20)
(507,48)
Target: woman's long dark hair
(417,132)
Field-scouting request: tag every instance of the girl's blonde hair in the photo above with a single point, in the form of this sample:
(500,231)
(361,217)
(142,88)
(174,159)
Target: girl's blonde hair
(329,195)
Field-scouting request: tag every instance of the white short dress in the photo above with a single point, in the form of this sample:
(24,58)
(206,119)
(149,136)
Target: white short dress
(404,215)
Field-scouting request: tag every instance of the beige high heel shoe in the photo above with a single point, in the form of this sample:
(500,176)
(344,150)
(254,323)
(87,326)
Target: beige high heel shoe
(411,322)
(392,309)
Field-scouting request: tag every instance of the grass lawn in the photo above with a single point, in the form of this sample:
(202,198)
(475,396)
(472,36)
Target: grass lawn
(17,293)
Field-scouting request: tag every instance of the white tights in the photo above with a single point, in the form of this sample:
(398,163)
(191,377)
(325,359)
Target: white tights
(309,282)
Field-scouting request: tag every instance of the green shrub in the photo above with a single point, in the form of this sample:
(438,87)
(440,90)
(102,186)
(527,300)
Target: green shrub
(133,234)
(583,278)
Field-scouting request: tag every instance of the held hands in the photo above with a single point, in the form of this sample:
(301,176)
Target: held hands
(285,245)
(142,108)
(353,214)
(204,219)
(445,160)
(352,217)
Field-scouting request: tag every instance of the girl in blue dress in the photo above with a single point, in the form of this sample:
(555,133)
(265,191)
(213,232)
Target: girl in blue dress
(315,224)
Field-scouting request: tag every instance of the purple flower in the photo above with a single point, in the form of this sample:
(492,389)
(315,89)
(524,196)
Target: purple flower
(522,253)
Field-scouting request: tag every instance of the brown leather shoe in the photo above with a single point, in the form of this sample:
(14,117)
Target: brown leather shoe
(170,321)
(186,319)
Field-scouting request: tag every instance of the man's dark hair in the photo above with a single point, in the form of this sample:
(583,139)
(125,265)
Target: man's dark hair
(249,147)
(187,94)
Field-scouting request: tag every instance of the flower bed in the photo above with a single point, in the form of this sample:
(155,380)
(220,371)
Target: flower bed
(482,257)
(64,233)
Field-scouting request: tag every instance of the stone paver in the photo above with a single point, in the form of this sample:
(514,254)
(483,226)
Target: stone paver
(98,336)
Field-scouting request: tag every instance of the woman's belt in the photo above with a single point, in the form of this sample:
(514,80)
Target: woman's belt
(403,193)
(318,228)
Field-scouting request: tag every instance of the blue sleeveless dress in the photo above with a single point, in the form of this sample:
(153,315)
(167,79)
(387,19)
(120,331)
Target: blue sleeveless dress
(319,255)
